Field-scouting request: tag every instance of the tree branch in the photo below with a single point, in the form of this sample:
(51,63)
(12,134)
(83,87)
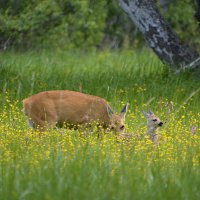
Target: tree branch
(193,65)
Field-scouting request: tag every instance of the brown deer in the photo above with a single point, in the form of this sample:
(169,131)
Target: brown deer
(63,107)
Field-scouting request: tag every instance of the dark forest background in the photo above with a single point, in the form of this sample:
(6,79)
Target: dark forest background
(87,24)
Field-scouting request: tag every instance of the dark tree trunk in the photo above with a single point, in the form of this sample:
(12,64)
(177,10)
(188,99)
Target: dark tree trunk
(159,35)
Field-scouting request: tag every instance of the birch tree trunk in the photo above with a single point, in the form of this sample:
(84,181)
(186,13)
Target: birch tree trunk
(159,35)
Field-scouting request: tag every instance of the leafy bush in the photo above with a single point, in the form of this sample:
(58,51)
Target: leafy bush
(83,24)
(180,15)
(49,22)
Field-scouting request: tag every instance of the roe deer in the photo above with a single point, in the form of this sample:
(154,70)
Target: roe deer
(59,107)
(153,122)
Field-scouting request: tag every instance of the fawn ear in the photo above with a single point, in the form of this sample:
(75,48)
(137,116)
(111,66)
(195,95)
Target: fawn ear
(109,110)
(124,110)
(151,112)
(146,114)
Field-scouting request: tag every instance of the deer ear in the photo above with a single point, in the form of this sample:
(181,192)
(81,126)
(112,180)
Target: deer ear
(151,112)
(124,110)
(109,110)
(145,114)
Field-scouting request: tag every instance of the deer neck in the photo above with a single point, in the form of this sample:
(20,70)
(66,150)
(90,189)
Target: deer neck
(151,131)
(152,134)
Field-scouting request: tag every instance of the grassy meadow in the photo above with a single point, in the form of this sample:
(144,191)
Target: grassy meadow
(67,164)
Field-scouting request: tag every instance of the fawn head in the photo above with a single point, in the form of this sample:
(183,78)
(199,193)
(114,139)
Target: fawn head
(153,122)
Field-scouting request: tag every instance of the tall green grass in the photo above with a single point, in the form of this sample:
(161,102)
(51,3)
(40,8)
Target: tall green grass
(116,76)
(56,166)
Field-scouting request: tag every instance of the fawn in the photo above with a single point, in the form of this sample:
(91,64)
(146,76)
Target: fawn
(153,122)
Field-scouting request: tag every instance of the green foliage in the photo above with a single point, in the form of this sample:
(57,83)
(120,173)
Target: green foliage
(120,31)
(52,23)
(180,15)
(84,24)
